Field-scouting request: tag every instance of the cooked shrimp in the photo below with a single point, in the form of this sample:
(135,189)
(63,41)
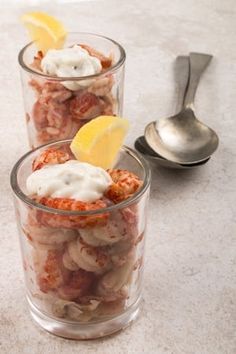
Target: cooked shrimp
(37,86)
(52,114)
(58,114)
(45,237)
(71,221)
(121,252)
(74,310)
(85,105)
(108,104)
(51,110)
(68,262)
(131,217)
(105,61)
(114,231)
(54,92)
(39,115)
(50,156)
(125,184)
(51,273)
(100,236)
(112,285)
(79,285)
(91,259)
(102,86)
(48,134)
(112,307)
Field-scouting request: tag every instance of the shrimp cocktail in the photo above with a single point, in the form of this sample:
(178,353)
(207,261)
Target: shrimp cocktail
(67,79)
(81,214)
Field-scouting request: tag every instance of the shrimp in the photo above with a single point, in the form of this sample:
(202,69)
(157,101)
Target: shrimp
(125,184)
(79,285)
(39,115)
(68,261)
(131,217)
(51,110)
(105,61)
(44,237)
(102,86)
(75,311)
(51,134)
(58,114)
(56,111)
(100,236)
(50,114)
(113,307)
(36,85)
(120,252)
(85,105)
(71,221)
(91,259)
(108,104)
(54,91)
(50,157)
(113,232)
(51,273)
(112,286)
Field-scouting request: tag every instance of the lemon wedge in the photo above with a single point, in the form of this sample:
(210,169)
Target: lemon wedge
(46,31)
(99,141)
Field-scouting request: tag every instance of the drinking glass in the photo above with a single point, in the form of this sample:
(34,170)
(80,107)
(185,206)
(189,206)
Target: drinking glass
(83,269)
(53,110)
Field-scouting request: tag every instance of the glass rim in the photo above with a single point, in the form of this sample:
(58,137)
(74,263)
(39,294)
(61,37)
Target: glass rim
(23,197)
(76,78)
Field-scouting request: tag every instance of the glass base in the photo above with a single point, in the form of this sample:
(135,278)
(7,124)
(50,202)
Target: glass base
(75,330)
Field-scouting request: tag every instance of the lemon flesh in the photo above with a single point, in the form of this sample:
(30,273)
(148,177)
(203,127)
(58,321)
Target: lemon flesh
(99,141)
(46,31)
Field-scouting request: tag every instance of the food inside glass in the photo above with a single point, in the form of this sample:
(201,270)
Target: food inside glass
(81,230)
(68,79)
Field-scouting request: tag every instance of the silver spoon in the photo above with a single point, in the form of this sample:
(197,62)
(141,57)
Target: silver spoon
(181,78)
(182,138)
(181,73)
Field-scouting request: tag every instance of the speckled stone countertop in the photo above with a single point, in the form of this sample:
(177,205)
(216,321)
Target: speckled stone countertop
(189,288)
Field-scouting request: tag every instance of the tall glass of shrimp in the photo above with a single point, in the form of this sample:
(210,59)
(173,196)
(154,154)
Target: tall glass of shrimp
(81,232)
(65,88)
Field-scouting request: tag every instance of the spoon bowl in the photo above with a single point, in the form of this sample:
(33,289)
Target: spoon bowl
(142,146)
(182,138)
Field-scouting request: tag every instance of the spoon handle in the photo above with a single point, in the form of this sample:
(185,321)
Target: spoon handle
(182,64)
(198,63)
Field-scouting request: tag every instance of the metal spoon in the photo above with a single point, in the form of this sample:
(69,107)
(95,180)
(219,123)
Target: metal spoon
(182,138)
(181,73)
(181,78)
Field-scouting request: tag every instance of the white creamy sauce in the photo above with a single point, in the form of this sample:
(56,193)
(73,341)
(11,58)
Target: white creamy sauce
(71,62)
(72,179)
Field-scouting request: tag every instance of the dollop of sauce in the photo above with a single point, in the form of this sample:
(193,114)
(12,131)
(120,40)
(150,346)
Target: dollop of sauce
(71,62)
(72,179)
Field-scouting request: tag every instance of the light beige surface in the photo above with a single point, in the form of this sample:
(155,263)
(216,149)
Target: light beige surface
(190,278)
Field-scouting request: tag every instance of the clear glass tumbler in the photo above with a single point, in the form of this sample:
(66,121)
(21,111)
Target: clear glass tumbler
(53,110)
(83,270)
